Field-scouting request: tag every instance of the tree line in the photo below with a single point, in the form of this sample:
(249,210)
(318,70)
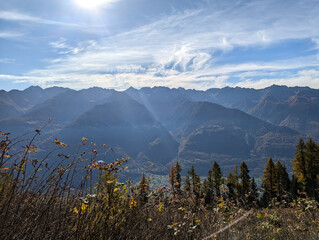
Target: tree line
(239,187)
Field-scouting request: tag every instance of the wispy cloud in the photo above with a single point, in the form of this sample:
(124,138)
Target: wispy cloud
(7,60)
(302,78)
(10,35)
(188,49)
(21,17)
(62,47)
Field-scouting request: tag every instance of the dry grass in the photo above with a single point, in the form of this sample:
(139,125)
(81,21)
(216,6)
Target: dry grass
(47,204)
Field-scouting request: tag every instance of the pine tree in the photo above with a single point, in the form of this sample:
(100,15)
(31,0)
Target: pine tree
(281,180)
(172,178)
(236,181)
(306,167)
(210,187)
(268,182)
(253,195)
(143,190)
(207,192)
(299,165)
(178,169)
(311,167)
(245,179)
(231,182)
(197,186)
(194,181)
(187,186)
(294,186)
(216,178)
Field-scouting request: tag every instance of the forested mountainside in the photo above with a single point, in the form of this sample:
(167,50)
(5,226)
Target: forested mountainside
(161,125)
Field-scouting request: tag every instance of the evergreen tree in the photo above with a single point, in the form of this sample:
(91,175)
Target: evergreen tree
(192,185)
(236,181)
(281,180)
(216,178)
(299,166)
(195,181)
(187,186)
(268,182)
(207,192)
(172,178)
(197,186)
(306,167)
(294,186)
(210,187)
(143,190)
(311,167)
(253,195)
(245,179)
(178,169)
(231,183)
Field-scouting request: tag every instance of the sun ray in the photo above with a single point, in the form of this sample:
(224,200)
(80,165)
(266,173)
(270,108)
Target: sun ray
(90,4)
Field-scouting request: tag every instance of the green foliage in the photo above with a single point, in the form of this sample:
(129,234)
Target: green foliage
(231,184)
(217,178)
(143,190)
(187,186)
(245,179)
(268,182)
(194,184)
(306,167)
(253,195)
(281,180)
(178,170)
(299,165)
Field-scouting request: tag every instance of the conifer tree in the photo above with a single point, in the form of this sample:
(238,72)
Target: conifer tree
(143,190)
(245,179)
(207,192)
(178,169)
(299,166)
(210,187)
(231,182)
(281,179)
(197,186)
(172,178)
(294,186)
(311,167)
(253,196)
(306,167)
(195,183)
(268,182)
(187,186)
(236,181)
(217,178)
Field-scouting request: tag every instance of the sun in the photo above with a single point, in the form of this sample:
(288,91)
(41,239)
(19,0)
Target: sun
(90,4)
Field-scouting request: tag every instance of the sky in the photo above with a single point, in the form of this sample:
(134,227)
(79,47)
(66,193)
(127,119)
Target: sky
(194,44)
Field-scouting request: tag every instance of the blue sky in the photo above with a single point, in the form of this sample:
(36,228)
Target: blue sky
(176,43)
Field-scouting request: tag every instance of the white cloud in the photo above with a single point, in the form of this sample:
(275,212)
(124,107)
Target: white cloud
(302,78)
(179,50)
(10,35)
(7,60)
(16,16)
(61,47)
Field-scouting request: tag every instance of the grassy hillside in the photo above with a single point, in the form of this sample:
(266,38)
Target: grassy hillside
(41,201)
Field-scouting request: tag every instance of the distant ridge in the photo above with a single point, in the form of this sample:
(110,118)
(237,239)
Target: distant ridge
(160,125)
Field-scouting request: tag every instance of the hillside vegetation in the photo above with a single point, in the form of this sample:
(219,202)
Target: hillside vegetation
(160,125)
(79,196)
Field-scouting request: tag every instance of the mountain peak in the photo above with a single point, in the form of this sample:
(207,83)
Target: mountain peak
(33,88)
(131,89)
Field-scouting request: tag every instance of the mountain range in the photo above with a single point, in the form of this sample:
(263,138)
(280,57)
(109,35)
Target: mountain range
(157,126)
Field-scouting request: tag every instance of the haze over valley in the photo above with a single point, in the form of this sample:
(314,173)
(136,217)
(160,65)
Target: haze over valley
(160,125)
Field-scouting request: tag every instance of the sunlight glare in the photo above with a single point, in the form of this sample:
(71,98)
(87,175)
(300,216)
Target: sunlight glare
(90,4)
